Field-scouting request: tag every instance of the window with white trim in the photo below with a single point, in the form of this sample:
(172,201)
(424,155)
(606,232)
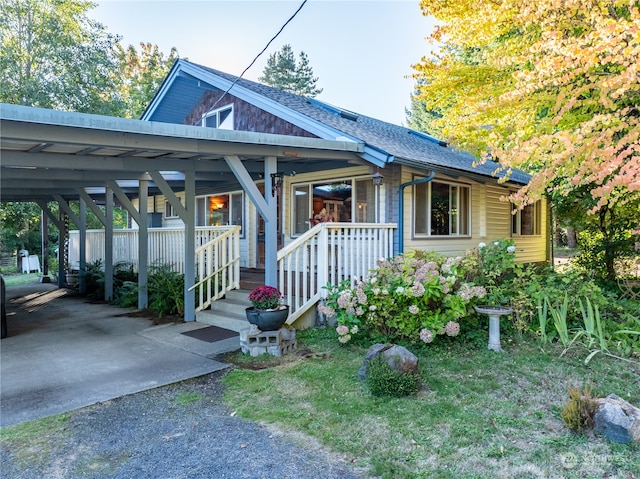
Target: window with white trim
(341,200)
(220,210)
(441,209)
(169,211)
(221,118)
(527,221)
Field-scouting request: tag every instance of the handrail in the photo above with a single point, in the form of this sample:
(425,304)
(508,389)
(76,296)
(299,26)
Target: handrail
(329,253)
(217,267)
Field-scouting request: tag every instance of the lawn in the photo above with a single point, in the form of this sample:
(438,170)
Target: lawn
(15,279)
(485,414)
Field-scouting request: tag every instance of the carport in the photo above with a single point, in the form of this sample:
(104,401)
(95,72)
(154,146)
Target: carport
(55,156)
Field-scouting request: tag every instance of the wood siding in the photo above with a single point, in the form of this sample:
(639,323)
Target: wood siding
(246,117)
(490,221)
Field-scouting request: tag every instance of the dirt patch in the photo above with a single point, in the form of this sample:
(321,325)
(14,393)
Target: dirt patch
(265,361)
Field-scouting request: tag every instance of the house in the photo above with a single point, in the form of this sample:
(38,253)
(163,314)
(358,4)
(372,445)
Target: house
(235,174)
(458,208)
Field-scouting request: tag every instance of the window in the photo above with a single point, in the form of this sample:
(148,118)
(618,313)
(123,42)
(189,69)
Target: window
(527,221)
(350,200)
(221,118)
(220,210)
(169,212)
(441,209)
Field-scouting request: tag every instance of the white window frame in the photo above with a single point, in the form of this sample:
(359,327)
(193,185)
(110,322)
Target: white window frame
(516,220)
(309,187)
(459,220)
(169,211)
(227,124)
(230,194)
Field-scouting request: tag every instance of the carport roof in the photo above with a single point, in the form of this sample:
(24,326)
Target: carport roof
(49,152)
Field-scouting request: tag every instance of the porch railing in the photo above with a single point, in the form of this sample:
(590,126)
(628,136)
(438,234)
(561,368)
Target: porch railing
(329,253)
(166,245)
(217,268)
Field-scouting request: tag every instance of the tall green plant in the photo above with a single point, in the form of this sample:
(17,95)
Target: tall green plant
(166,290)
(559,314)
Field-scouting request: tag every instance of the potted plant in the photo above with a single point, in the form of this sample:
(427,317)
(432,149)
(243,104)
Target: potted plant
(267,313)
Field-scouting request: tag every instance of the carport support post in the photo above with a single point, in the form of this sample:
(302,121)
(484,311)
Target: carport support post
(271,223)
(143,246)
(82,274)
(189,245)
(44,222)
(62,237)
(108,245)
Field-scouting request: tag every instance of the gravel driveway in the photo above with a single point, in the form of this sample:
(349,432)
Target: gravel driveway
(178,431)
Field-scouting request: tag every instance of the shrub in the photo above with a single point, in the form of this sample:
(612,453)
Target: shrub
(166,290)
(406,299)
(384,381)
(578,413)
(126,294)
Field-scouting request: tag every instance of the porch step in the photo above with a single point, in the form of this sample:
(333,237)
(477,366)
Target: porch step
(229,312)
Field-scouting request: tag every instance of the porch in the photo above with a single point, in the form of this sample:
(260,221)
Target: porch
(327,253)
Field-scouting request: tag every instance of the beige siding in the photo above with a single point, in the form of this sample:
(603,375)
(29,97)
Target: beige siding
(490,221)
(533,249)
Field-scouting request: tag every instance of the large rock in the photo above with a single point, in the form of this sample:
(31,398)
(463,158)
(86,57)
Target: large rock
(398,358)
(617,420)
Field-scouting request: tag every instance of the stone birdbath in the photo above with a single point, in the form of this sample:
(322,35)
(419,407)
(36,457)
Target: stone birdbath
(494,313)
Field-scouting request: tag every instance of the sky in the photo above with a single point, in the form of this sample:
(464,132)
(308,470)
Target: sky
(360,50)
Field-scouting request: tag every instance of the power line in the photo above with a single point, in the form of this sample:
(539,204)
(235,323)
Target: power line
(259,54)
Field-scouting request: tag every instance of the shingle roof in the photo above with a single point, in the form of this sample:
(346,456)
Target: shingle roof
(403,144)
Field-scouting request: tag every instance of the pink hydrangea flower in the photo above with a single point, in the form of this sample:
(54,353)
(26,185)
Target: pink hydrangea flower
(342,330)
(426,335)
(452,328)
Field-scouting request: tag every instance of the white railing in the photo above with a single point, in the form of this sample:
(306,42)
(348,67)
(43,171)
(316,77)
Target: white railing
(217,268)
(328,254)
(166,245)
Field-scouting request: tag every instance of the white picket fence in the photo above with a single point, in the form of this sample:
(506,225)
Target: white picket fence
(327,254)
(166,245)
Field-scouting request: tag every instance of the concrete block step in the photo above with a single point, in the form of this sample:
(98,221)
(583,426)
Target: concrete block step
(224,306)
(239,295)
(228,320)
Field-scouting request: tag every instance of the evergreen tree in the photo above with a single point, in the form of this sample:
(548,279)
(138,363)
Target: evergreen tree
(283,72)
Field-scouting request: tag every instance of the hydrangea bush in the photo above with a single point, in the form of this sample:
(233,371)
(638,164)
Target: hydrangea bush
(411,298)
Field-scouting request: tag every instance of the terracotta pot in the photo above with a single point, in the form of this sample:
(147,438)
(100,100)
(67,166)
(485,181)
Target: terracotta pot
(267,320)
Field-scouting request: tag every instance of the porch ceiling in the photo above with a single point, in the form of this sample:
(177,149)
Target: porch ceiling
(47,152)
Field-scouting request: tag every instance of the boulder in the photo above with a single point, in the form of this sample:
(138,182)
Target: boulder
(617,420)
(398,358)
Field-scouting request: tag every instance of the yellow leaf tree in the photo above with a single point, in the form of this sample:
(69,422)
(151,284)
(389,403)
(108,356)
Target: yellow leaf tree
(552,86)
(548,86)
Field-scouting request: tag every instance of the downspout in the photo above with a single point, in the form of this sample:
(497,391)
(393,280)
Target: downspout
(401,207)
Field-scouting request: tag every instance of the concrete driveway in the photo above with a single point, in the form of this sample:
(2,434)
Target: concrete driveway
(63,352)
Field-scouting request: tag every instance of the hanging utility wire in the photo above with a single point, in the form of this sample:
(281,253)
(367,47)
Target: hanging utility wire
(259,54)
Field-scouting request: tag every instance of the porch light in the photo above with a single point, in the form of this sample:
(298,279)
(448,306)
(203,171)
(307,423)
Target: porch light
(377,178)
(277,179)
(276,182)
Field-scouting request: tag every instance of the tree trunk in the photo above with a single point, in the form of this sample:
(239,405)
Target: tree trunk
(572,238)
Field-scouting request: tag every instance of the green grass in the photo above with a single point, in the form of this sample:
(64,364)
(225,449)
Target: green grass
(31,442)
(184,398)
(486,415)
(18,279)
